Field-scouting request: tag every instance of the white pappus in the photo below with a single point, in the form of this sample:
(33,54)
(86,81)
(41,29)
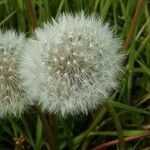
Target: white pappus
(12,95)
(72,65)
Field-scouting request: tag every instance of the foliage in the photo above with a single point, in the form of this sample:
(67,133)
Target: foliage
(130,101)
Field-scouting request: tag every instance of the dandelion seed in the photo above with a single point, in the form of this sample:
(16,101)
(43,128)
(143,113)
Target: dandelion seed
(79,72)
(62,58)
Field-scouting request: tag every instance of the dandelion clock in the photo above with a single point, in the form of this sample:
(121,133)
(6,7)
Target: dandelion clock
(12,95)
(72,65)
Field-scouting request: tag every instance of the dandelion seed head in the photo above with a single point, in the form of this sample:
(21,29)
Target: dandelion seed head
(85,62)
(12,98)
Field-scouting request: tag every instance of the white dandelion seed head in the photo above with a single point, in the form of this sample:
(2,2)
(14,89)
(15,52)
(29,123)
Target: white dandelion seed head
(84,61)
(12,96)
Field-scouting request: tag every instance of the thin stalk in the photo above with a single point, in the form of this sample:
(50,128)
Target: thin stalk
(48,131)
(68,134)
(31,13)
(96,4)
(52,122)
(59,8)
(47,127)
(77,140)
(8,17)
(97,119)
(114,142)
(138,10)
(106,8)
(117,124)
(92,128)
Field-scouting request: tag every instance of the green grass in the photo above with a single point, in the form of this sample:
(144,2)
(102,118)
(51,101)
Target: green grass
(131,101)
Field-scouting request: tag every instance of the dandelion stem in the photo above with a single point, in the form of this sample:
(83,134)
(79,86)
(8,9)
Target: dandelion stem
(48,130)
(31,12)
(68,135)
(118,125)
(45,122)
(138,10)
(79,138)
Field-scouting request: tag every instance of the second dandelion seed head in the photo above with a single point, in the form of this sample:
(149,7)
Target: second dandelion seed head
(12,95)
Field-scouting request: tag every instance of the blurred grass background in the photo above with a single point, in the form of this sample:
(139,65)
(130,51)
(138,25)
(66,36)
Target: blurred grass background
(131,101)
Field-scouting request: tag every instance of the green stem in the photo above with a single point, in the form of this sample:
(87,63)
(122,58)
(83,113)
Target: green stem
(59,8)
(68,134)
(96,4)
(117,124)
(77,140)
(48,131)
